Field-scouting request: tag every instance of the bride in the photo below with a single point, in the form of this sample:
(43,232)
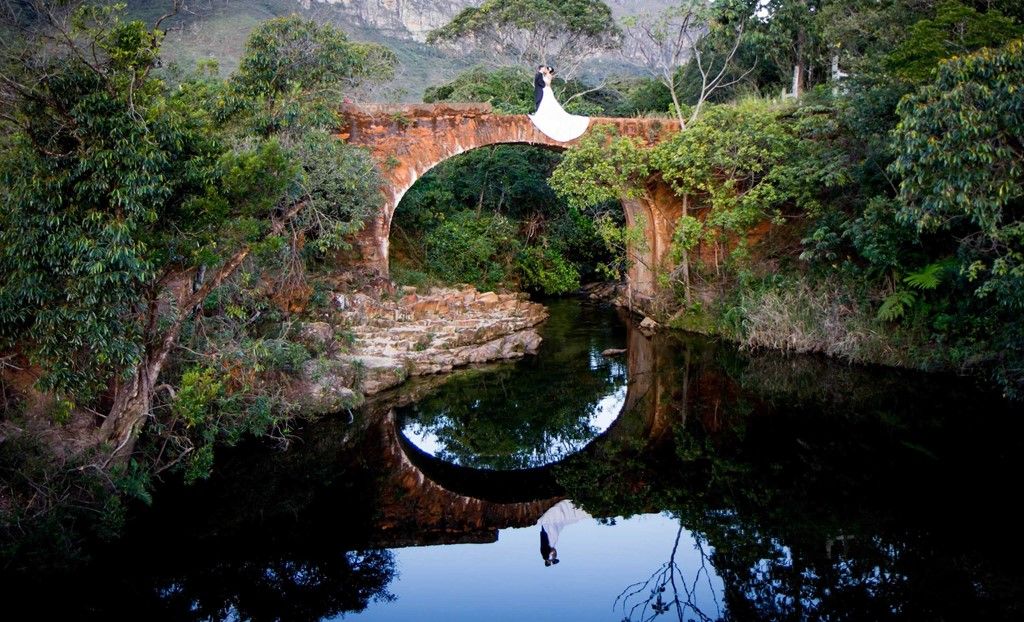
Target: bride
(550,118)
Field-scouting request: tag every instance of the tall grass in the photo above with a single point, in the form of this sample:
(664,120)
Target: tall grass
(831,316)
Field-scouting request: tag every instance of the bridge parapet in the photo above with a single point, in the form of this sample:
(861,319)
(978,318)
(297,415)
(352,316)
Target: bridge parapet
(367,124)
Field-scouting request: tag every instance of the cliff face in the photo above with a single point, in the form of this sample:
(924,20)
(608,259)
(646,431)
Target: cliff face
(413,19)
(397,18)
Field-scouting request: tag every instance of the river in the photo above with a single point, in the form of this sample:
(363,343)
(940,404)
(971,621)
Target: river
(693,480)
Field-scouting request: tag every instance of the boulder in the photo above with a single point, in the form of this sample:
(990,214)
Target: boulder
(373,374)
(488,299)
(507,347)
(317,335)
(433,332)
(326,387)
(648,325)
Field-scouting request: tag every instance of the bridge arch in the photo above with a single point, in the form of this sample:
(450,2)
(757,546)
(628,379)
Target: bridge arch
(409,140)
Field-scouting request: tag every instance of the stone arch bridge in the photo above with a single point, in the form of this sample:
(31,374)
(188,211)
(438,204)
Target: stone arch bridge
(410,139)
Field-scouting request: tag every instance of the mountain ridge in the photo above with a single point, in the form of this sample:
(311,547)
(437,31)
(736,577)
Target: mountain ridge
(218,29)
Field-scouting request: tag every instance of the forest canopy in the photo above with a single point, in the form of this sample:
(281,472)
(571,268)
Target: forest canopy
(848,178)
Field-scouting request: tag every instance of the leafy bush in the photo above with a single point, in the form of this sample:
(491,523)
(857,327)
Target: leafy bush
(509,89)
(546,270)
(509,180)
(473,248)
(958,145)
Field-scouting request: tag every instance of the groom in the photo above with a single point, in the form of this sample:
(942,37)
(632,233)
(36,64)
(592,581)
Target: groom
(538,87)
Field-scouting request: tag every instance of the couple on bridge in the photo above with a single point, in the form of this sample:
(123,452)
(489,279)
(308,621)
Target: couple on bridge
(549,117)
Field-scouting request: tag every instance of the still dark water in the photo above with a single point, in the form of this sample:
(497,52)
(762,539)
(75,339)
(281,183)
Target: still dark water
(708,484)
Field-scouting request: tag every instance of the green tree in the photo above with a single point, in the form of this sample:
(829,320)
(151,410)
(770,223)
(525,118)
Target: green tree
(955,30)
(543,268)
(535,32)
(508,89)
(129,203)
(602,167)
(472,248)
(560,245)
(781,37)
(960,143)
(287,54)
(732,161)
(594,177)
(638,96)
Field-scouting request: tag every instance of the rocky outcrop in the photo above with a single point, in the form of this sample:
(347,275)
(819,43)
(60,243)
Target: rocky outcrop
(374,344)
(613,293)
(411,19)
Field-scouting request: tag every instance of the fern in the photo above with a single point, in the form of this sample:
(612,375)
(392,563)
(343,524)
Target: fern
(895,306)
(927,278)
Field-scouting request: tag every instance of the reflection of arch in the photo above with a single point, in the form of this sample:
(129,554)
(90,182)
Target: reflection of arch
(638,415)
(498,486)
(409,140)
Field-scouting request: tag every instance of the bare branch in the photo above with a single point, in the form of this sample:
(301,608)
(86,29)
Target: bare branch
(176,6)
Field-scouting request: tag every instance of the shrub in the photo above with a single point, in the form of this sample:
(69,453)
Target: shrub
(473,248)
(545,269)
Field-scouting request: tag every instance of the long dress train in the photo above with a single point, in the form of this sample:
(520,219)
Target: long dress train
(558,516)
(555,122)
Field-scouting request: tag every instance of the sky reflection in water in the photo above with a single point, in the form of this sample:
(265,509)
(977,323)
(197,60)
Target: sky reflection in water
(605,411)
(535,411)
(507,580)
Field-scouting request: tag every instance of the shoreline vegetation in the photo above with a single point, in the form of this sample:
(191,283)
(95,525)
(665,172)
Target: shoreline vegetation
(170,234)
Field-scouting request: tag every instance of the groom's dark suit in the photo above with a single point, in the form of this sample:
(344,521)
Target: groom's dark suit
(538,90)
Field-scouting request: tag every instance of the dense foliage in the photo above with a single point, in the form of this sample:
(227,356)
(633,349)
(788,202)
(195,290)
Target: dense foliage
(895,218)
(155,236)
(161,227)
(535,32)
(489,218)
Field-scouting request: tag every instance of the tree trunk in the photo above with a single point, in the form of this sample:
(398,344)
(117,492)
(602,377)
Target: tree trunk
(798,67)
(133,401)
(132,404)
(671,84)
(685,259)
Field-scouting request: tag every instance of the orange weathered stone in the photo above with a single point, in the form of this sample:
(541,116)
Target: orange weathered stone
(410,139)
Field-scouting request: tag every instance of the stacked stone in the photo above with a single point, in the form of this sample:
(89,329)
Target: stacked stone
(416,334)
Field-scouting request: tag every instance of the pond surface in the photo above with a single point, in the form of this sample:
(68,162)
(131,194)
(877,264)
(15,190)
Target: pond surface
(684,479)
(533,412)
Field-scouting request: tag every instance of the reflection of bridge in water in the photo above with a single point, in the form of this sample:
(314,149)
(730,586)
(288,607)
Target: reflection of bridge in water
(425,500)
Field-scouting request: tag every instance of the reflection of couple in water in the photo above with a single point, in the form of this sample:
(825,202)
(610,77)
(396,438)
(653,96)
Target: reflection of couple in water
(551,523)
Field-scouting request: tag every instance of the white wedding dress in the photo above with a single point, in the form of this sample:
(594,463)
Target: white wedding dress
(555,122)
(560,515)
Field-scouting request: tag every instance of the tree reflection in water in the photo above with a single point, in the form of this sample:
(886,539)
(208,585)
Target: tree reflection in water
(660,592)
(814,491)
(535,412)
(301,589)
(823,492)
